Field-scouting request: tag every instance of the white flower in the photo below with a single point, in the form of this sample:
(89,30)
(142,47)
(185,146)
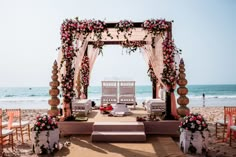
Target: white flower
(192,125)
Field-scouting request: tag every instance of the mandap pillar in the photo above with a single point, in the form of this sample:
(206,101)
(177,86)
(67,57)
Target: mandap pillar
(54,91)
(182,91)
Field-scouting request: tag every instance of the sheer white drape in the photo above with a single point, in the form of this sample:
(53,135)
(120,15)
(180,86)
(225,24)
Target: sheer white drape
(92,54)
(79,57)
(155,55)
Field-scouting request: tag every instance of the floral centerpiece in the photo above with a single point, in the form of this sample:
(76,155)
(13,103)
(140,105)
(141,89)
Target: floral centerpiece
(193,122)
(194,134)
(45,122)
(45,134)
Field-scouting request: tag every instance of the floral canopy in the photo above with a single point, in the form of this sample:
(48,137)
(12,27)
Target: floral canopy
(82,41)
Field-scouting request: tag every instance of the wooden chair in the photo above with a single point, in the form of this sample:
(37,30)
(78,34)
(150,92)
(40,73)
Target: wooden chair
(127,93)
(232,134)
(4,133)
(109,92)
(221,125)
(21,127)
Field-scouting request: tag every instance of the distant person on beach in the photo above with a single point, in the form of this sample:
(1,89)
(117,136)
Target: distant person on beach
(203,99)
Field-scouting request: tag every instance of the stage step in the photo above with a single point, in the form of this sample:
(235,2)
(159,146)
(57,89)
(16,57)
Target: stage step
(118,132)
(118,126)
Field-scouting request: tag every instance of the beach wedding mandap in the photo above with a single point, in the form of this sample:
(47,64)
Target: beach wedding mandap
(82,41)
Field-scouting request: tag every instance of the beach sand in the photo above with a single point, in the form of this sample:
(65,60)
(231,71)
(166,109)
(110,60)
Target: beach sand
(83,144)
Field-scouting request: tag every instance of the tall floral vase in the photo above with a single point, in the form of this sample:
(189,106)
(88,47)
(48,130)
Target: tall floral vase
(195,143)
(45,141)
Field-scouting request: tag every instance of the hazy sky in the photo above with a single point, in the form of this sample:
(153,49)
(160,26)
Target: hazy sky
(30,34)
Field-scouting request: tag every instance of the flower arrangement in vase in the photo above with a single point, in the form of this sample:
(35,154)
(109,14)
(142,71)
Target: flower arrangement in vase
(194,134)
(45,134)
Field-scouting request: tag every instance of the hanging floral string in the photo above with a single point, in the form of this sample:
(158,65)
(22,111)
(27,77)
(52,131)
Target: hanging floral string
(132,46)
(126,27)
(169,76)
(151,73)
(85,72)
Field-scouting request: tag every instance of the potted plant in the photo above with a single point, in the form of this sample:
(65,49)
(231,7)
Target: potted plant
(194,134)
(45,134)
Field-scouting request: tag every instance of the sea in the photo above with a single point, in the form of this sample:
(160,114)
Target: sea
(37,97)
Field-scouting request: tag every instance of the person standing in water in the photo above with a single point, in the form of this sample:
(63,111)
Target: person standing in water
(203,99)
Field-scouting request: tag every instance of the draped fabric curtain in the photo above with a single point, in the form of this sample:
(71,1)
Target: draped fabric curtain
(79,57)
(155,55)
(92,54)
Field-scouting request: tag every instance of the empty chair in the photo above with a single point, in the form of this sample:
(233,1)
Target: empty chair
(222,125)
(109,92)
(127,92)
(4,134)
(21,127)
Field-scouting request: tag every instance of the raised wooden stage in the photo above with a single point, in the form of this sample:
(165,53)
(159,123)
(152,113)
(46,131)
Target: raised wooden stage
(162,127)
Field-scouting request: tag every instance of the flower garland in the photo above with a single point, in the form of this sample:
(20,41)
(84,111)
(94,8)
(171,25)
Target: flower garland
(85,27)
(85,72)
(155,26)
(126,27)
(68,30)
(169,76)
(132,46)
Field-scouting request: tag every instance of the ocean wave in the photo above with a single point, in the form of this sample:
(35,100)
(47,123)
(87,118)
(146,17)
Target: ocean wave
(9,95)
(213,97)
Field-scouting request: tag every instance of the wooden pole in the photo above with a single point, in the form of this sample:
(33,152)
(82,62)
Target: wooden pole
(168,115)
(86,87)
(153,89)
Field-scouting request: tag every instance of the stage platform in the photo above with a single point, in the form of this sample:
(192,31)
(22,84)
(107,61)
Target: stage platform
(162,127)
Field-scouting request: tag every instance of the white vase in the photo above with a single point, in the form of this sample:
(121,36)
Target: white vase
(46,139)
(199,141)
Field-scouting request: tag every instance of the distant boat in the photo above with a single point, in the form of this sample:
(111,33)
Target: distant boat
(30,88)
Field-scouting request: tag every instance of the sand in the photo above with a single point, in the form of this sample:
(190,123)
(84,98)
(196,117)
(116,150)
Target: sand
(82,144)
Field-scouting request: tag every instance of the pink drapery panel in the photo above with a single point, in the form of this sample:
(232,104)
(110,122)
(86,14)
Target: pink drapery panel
(152,55)
(155,55)
(173,104)
(146,55)
(92,54)
(79,57)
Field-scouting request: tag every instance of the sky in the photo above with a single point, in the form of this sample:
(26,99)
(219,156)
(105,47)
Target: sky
(30,35)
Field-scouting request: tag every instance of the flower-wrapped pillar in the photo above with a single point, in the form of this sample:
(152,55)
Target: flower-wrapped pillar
(84,72)
(182,91)
(169,76)
(54,91)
